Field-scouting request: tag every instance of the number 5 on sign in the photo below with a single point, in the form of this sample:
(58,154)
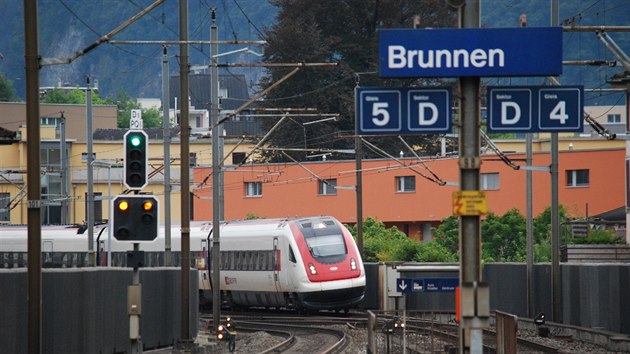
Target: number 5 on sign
(380,109)
(136,119)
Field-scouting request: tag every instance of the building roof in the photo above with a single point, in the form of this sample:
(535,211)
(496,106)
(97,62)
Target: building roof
(7,136)
(200,95)
(615,215)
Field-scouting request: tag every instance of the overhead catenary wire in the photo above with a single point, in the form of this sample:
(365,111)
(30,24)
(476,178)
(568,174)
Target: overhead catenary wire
(384,153)
(498,151)
(421,160)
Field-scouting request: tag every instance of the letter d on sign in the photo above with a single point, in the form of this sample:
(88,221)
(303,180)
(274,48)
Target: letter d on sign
(422,107)
(505,108)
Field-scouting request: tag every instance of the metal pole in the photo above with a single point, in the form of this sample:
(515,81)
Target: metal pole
(185,174)
(470,226)
(34,294)
(110,221)
(627,164)
(359,177)
(65,175)
(216,217)
(529,227)
(166,137)
(134,320)
(556,289)
(90,175)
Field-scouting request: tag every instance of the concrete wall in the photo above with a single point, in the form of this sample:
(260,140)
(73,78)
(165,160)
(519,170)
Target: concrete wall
(84,310)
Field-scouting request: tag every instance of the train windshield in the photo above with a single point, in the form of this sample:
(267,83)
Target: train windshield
(326,245)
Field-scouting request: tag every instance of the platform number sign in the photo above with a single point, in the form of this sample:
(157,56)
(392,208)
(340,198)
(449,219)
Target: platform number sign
(535,109)
(382,111)
(560,109)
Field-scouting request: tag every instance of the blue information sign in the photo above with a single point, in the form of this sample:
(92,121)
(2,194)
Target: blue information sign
(403,111)
(407,285)
(470,52)
(440,284)
(403,285)
(535,109)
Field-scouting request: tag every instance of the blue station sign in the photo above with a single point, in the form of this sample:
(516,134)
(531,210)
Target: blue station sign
(403,111)
(470,52)
(413,285)
(530,109)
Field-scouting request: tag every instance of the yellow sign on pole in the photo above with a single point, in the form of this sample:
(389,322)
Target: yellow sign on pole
(469,203)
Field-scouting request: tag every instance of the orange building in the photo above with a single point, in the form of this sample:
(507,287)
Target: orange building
(590,182)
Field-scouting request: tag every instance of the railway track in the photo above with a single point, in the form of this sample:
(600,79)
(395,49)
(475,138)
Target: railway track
(286,332)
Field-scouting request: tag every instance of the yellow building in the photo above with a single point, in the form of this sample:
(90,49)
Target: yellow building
(67,204)
(64,185)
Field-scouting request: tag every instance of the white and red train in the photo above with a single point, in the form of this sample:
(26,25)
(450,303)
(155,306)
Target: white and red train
(308,263)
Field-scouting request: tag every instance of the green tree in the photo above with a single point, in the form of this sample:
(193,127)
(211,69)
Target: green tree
(447,234)
(344,32)
(382,244)
(542,232)
(433,251)
(151,117)
(7,94)
(503,237)
(73,96)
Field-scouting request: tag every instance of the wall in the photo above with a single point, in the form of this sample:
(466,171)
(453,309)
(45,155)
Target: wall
(84,310)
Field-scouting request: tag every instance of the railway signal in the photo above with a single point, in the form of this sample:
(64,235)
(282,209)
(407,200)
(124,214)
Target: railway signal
(136,159)
(135,217)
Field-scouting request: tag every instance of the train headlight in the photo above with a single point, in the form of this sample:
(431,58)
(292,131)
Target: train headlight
(353,264)
(311,267)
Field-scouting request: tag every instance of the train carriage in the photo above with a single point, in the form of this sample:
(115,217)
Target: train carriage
(299,263)
(307,263)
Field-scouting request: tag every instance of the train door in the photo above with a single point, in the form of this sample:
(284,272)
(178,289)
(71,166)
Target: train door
(48,250)
(277,257)
(293,268)
(202,266)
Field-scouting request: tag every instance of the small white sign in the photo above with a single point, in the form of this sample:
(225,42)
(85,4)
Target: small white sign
(136,119)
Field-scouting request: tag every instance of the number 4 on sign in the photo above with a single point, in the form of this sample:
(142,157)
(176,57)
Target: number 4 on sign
(559,112)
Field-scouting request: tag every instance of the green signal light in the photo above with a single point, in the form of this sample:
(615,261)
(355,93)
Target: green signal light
(135,141)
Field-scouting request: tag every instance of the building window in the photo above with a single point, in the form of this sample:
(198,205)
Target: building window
(253,189)
(5,199)
(327,186)
(405,184)
(614,118)
(237,157)
(577,178)
(489,181)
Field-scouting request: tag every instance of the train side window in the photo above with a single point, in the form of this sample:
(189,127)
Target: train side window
(268,260)
(256,260)
(292,255)
(225,260)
